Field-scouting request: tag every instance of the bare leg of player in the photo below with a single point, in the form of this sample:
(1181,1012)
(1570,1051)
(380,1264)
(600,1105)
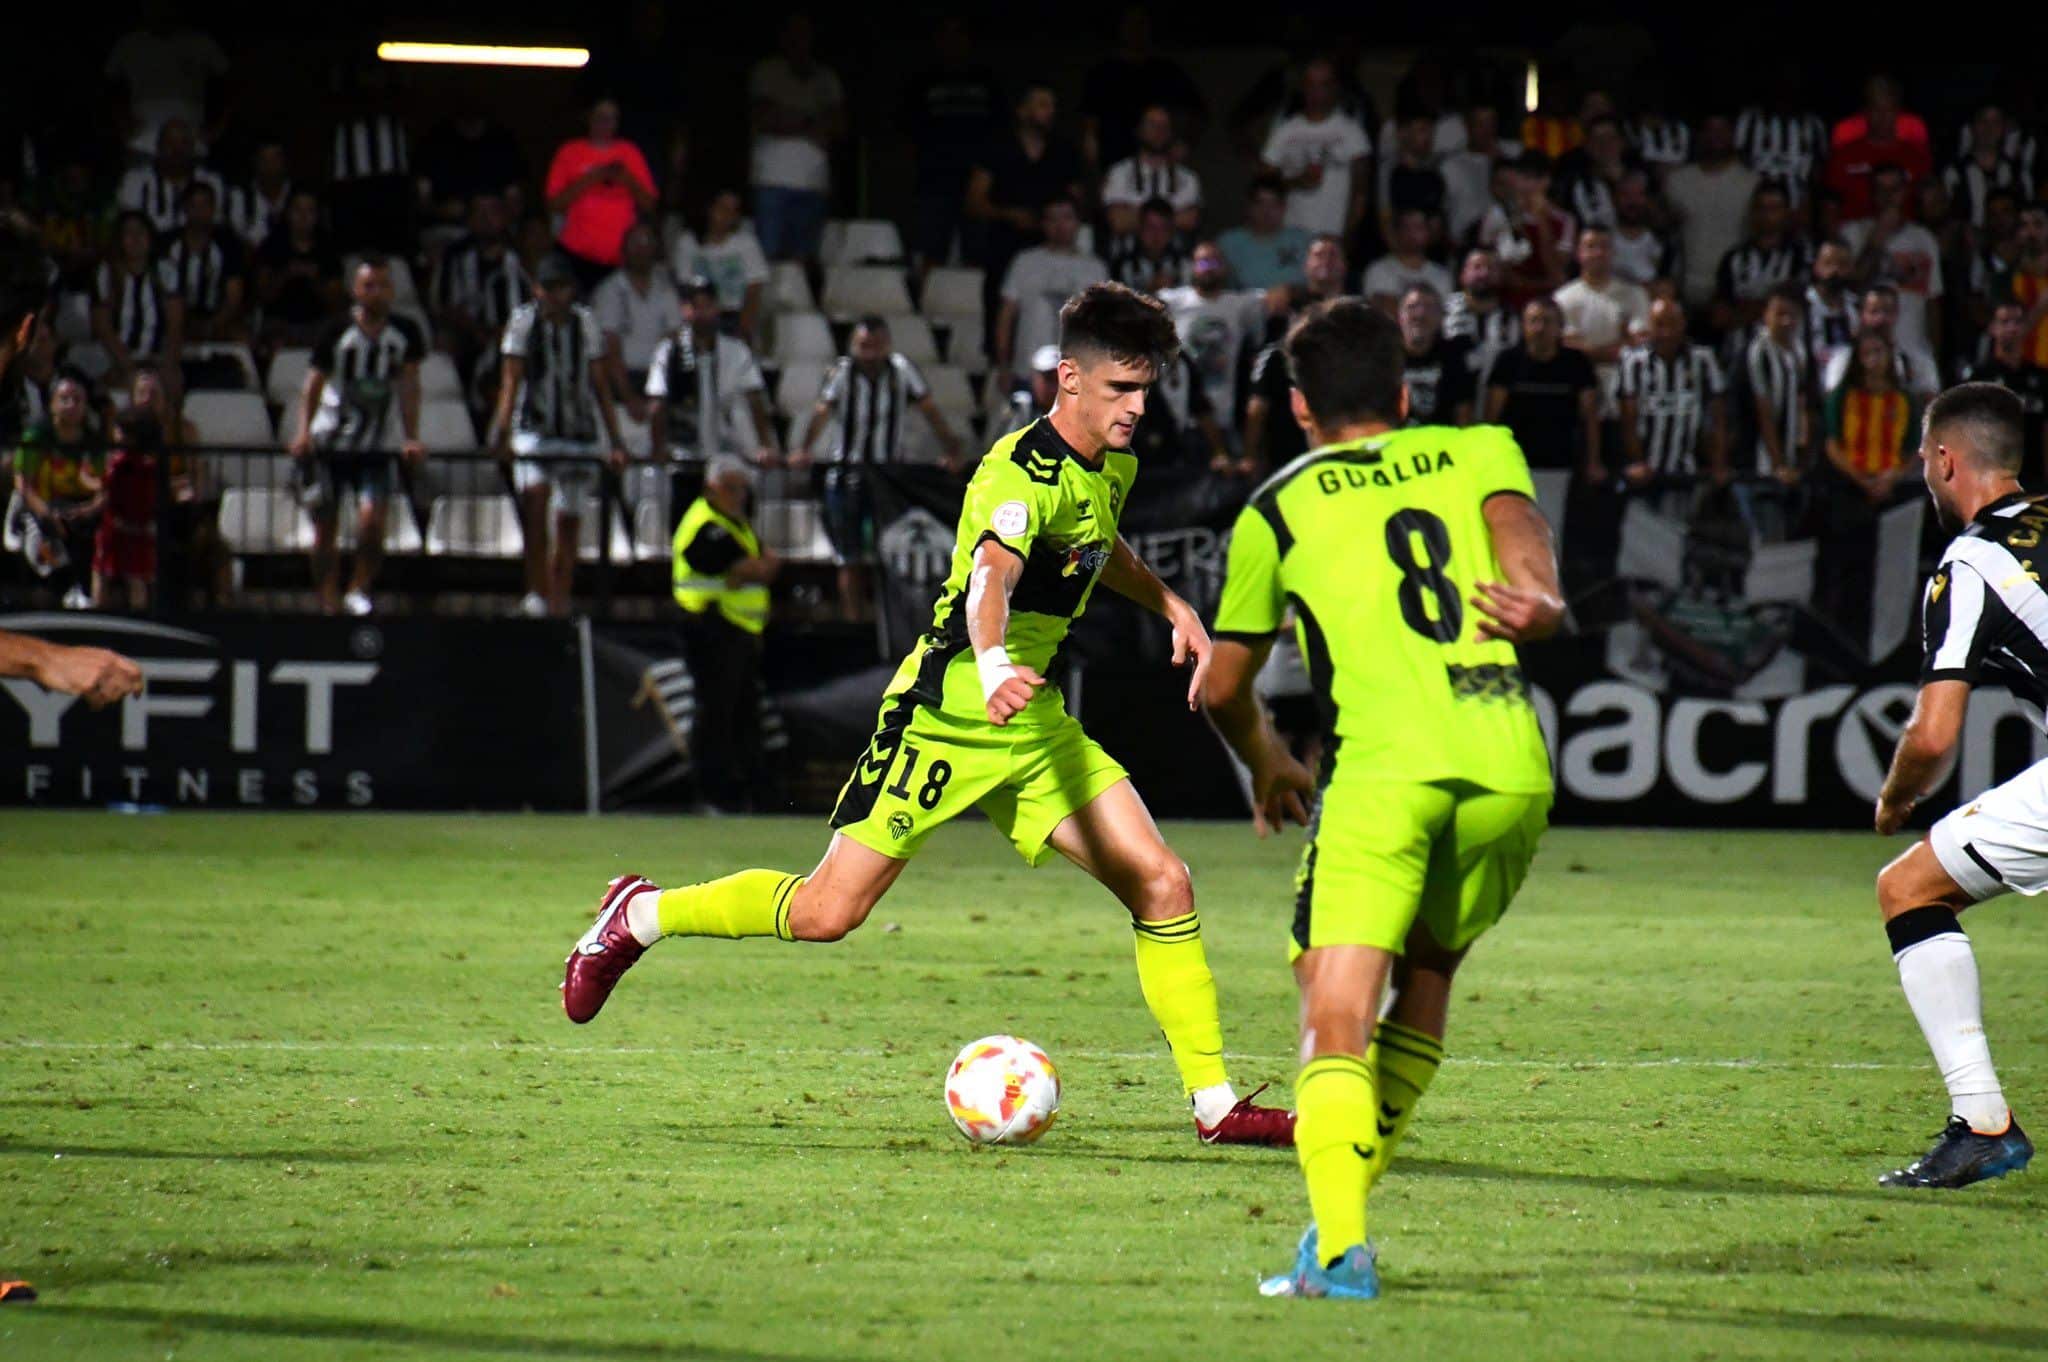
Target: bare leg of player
(369,546)
(840,893)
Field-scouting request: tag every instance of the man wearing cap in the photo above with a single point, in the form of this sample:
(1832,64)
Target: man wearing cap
(695,375)
(553,392)
(1033,397)
(721,582)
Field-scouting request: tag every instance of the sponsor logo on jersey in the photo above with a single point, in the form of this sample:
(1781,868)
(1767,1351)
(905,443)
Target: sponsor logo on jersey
(1085,560)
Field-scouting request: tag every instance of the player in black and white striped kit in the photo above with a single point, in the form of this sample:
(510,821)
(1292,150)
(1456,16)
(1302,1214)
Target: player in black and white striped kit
(1986,620)
(1671,393)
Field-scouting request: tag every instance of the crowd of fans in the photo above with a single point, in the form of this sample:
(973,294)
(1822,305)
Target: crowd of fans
(1741,310)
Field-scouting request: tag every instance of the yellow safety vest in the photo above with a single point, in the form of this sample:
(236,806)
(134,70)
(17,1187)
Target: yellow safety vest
(745,605)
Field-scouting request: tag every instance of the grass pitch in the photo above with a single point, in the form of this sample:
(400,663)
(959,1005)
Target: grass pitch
(300,1086)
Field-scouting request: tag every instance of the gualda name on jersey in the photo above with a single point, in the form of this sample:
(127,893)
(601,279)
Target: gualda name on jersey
(1371,470)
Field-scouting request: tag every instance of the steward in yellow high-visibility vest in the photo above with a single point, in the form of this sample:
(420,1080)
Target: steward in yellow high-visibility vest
(721,582)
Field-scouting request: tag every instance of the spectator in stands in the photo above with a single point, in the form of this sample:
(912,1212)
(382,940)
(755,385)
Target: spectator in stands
(2026,283)
(1993,250)
(1151,171)
(1406,264)
(1033,397)
(2008,363)
(57,492)
(1266,252)
(636,306)
(950,112)
(1039,282)
(1151,259)
(372,193)
(1179,427)
(600,185)
(730,256)
(1770,256)
(1602,312)
(1530,235)
(298,275)
(1013,178)
(204,267)
(157,190)
(798,113)
(1547,395)
(1890,248)
(1710,199)
(1468,173)
(478,286)
(722,575)
(193,515)
(1882,135)
(1783,140)
(1642,254)
(1475,313)
(1774,394)
(167,69)
(1674,412)
(1878,311)
(69,209)
(1409,178)
(1131,79)
(1873,428)
(1831,306)
(866,398)
(1436,370)
(363,367)
(1218,326)
(555,416)
(698,378)
(463,157)
(1659,140)
(1984,168)
(1588,175)
(1323,156)
(254,208)
(124,545)
(1271,434)
(133,315)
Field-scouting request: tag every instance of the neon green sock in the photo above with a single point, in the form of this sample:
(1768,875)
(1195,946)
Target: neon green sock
(1333,1138)
(1173,972)
(749,903)
(1404,1061)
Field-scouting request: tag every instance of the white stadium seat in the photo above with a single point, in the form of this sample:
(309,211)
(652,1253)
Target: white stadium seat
(445,427)
(621,545)
(789,288)
(287,375)
(474,527)
(797,390)
(230,418)
(851,290)
(438,378)
(263,520)
(951,392)
(803,336)
(861,241)
(913,339)
(793,529)
(244,358)
(952,291)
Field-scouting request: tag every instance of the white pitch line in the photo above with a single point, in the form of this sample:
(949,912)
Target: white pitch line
(1565,1063)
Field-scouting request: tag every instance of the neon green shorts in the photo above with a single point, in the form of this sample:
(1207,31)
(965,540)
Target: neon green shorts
(924,767)
(1382,855)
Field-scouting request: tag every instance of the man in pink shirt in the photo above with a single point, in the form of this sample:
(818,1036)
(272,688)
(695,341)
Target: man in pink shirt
(601,185)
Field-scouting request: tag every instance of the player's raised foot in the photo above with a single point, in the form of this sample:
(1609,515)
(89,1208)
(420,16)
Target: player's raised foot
(1249,1123)
(1962,1156)
(1354,1277)
(605,952)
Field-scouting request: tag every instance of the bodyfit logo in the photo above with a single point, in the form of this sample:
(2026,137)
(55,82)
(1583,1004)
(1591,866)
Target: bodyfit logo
(207,729)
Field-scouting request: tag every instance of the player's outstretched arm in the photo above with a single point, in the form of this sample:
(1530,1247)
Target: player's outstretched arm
(1529,605)
(1280,784)
(102,677)
(1126,574)
(1006,686)
(1925,747)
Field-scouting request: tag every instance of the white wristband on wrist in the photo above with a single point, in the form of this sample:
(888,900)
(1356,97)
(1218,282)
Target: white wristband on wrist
(994,666)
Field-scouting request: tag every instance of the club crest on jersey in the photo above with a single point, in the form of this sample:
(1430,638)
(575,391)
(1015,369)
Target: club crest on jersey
(1085,560)
(899,825)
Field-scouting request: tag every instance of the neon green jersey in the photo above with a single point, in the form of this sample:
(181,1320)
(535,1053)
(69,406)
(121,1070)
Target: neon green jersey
(1377,546)
(1034,495)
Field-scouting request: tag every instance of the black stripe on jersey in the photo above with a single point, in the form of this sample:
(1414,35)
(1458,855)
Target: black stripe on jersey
(1267,504)
(1315,655)
(1305,887)
(1053,581)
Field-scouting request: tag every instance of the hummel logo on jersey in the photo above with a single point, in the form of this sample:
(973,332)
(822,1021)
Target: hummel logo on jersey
(1388,1117)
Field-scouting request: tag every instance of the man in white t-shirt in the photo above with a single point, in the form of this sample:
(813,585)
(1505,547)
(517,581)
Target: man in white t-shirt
(1324,157)
(799,112)
(1602,311)
(1039,282)
(636,305)
(1218,327)
(166,68)
(1152,172)
(702,382)
(1393,274)
(1711,198)
(1890,248)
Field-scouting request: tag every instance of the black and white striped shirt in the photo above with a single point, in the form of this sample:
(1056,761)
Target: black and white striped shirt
(362,371)
(1490,333)
(1134,180)
(1589,200)
(1672,398)
(1776,374)
(371,147)
(137,304)
(471,283)
(1969,185)
(200,274)
(1129,265)
(251,214)
(1784,148)
(162,201)
(555,399)
(1830,327)
(1985,617)
(1750,271)
(1665,143)
(697,380)
(868,409)
(2020,147)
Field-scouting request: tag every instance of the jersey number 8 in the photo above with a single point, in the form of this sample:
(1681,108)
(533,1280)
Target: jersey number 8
(1406,529)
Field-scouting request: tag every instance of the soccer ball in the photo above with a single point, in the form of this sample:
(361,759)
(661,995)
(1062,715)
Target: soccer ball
(1002,1090)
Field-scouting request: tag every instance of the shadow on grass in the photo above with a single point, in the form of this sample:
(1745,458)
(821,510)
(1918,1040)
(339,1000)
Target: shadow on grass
(439,1341)
(1699,1184)
(73,1150)
(1960,1335)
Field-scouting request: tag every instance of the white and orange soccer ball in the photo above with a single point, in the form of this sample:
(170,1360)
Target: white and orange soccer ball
(1002,1090)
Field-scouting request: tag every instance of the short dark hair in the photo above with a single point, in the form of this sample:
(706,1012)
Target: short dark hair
(1888,168)
(2002,191)
(371,260)
(871,321)
(139,430)
(1266,182)
(24,274)
(1882,289)
(1787,293)
(2013,304)
(1122,323)
(198,187)
(1771,187)
(1155,204)
(1995,417)
(1345,356)
(1056,200)
(1534,162)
